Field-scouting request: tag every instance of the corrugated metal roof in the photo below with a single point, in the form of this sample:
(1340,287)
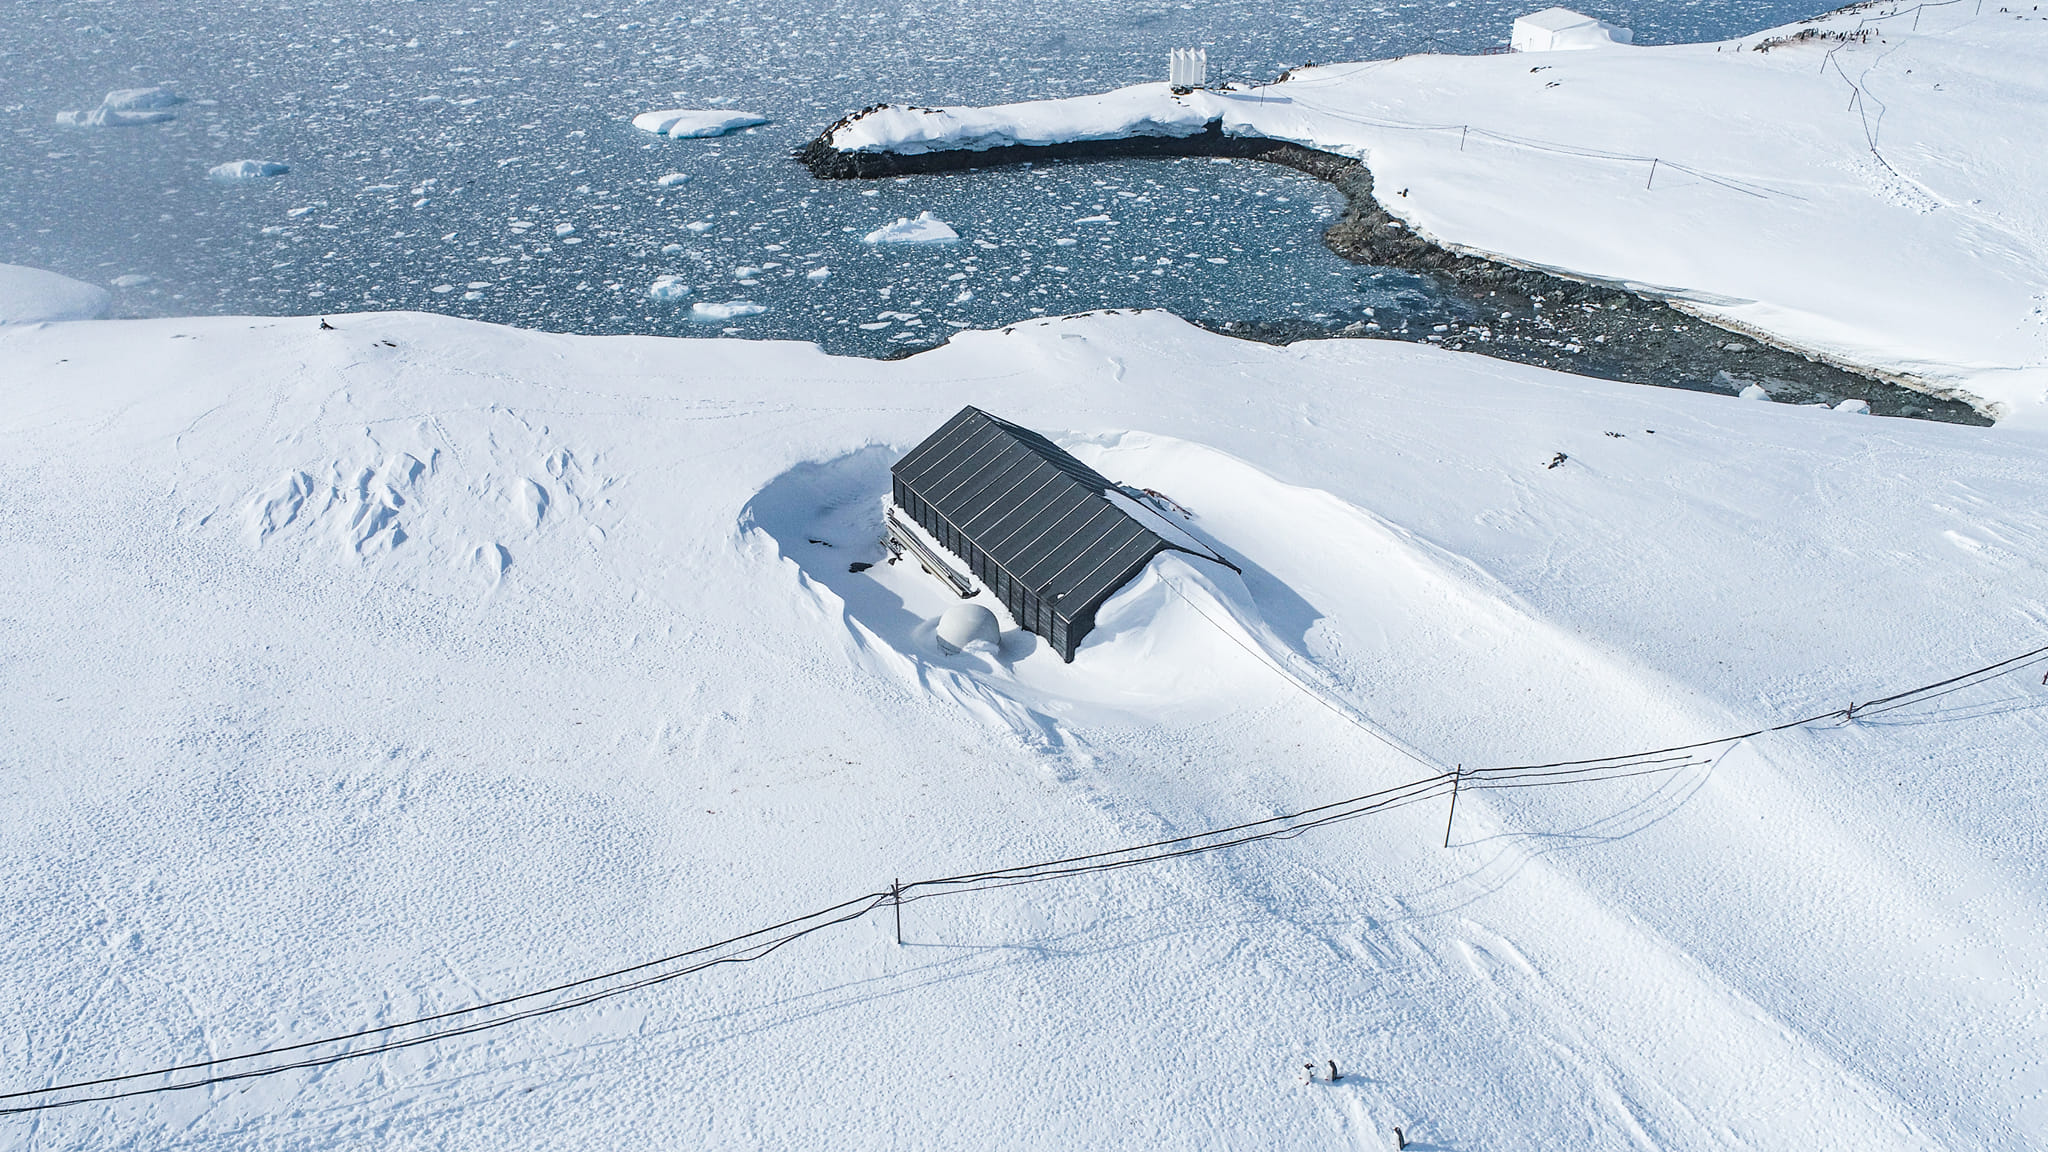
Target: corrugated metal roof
(1028,519)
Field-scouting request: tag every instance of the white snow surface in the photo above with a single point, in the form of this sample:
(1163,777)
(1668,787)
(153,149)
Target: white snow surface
(687,123)
(364,673)
(1880,203)
(32,295)
(925,229)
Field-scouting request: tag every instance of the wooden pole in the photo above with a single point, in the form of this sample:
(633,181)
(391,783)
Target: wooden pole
(896,898)
(1456,775)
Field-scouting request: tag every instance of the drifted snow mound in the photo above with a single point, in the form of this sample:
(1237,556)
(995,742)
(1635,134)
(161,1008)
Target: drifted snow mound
(126,106)
(235,170)
(710,313)
(926,229)
(969,628)
(1184,638)
(31,295)
(691,123)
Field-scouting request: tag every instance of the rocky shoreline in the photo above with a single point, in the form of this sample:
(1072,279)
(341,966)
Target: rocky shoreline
(1510,313)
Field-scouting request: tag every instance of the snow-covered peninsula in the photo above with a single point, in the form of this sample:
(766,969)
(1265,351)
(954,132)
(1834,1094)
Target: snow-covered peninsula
(1867,187)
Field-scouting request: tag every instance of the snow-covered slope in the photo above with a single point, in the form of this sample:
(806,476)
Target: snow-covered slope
(361,673)
(31,295)
(1874,193)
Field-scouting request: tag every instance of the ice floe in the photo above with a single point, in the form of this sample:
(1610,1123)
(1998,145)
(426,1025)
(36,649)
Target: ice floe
(235,170)
(690,123)
(709,313)
(124,107)
(668,288)
(925,229)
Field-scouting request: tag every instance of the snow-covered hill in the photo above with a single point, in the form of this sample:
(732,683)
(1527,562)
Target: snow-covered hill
(361,673)
(1868,187)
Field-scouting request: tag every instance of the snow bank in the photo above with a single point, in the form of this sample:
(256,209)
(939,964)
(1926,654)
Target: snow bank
(685,123)
(31,295)
(124,107)
(1812,185)
(926,229)
(235,170)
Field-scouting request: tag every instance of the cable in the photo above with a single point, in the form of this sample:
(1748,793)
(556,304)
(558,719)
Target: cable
(417,1021)
(759,952)
(765,941)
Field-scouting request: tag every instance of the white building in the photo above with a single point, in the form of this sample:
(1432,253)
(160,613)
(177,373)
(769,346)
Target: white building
(1555,29)
(1187,67)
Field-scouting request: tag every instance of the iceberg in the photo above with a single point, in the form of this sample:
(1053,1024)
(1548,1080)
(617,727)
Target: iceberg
(690,123)
(708,313)
(235,170)
(125,107)
(926,229)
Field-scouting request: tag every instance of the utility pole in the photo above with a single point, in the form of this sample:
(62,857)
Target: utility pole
(896,900)
(1456,774)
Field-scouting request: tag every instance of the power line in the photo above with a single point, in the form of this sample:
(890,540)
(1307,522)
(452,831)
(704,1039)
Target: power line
(762,942)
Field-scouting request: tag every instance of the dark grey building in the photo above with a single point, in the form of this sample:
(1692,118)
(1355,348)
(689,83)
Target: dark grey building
(1033,523)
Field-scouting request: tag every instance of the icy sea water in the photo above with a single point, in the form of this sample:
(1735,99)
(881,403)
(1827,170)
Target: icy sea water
(478,159)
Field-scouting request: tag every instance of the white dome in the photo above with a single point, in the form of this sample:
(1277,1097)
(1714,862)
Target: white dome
(969,626)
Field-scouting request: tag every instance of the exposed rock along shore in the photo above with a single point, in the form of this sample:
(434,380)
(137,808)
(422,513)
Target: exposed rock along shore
(1511,313)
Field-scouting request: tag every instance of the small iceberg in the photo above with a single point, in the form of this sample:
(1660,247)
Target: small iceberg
(673,179)
(125,107)
(141,99)
(720,313)
(693,123)
(234,170)
(926,229)
(668,288)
